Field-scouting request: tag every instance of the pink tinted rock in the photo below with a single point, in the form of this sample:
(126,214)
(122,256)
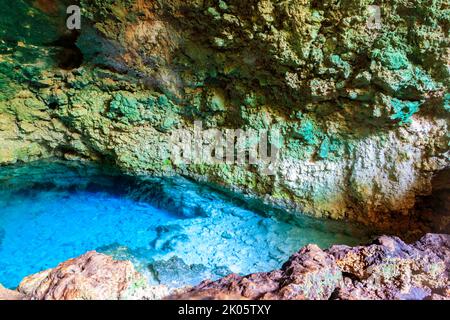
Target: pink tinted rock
(92,276)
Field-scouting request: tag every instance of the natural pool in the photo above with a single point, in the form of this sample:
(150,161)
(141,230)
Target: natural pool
(175,231)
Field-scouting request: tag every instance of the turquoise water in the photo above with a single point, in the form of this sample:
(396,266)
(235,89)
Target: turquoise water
(174,231)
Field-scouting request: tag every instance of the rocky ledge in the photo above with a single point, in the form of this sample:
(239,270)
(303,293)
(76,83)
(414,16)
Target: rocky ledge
(92,276)
(386,269)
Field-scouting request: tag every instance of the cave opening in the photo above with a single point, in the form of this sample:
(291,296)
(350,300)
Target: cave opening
(69,56)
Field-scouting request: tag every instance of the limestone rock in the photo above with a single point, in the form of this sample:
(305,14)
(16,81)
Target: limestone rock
(391,269)
(310,274)
(92,276)
(6,294)
(386,269)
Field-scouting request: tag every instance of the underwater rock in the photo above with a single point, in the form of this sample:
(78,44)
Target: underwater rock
(177,195)
(175,273)
(168,237)
(386,269)
(92,276)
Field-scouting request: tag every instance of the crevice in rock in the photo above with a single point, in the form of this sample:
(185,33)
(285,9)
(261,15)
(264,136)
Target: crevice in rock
(434,209)
(70,56)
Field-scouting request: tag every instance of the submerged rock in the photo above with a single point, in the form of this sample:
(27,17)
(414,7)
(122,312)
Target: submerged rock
(390,269)
(176,273)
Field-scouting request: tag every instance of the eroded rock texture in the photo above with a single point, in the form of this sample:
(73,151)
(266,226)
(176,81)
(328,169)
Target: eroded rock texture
(92,276)
(363,110)
(388,269)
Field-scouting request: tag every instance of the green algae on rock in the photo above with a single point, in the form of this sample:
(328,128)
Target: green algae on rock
(364,112)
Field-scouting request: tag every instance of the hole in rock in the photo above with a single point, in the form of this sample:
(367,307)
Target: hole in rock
(175,232)
(53,105)
(405,110)
(70,56)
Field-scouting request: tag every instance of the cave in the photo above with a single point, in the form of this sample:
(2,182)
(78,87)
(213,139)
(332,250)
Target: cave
(224,150)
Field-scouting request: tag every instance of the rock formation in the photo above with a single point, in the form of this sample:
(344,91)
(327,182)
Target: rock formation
(359,93)
(92,276)
(6,294)
(362,108)
(387,269)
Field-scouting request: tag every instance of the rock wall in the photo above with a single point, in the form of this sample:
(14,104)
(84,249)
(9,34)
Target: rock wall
(363,109)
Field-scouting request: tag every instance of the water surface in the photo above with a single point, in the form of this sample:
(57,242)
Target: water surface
(175,231)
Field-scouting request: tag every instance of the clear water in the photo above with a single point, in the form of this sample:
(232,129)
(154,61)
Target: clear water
(175,231)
